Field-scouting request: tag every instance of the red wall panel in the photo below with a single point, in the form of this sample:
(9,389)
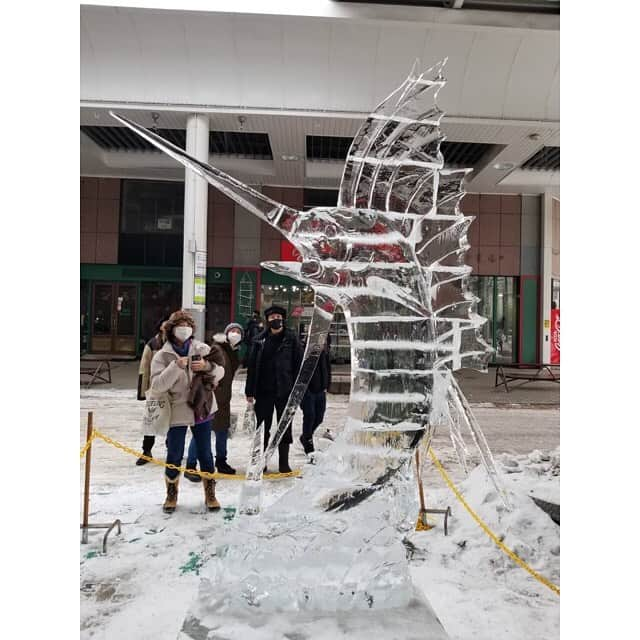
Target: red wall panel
(107,248)
(509,261)
(488,260)
(509,230)
(489,229)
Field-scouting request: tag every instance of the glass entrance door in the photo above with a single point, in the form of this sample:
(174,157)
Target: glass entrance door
(113,329)
(499,304)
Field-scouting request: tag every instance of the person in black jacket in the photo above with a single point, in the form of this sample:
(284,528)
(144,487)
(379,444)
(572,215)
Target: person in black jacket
(314,402)
(253,328)
(272,368)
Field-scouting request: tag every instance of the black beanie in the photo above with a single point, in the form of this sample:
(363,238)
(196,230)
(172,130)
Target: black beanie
(276,309)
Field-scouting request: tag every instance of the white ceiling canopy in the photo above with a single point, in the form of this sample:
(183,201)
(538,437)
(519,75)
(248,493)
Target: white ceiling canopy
(319,74)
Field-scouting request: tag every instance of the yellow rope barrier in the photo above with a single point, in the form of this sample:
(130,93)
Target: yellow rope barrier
(84,449)
(203,474)
(488,531)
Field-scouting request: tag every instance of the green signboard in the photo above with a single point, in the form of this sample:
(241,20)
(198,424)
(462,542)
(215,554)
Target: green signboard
(199,290)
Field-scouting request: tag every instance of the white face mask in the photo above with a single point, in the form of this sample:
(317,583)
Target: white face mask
(234,338)
(182,333)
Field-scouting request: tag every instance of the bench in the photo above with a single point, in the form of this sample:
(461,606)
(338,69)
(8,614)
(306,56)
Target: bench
(97,369)
(526,372)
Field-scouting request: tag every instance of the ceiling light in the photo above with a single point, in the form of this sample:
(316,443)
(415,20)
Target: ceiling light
(289,158)
(504,166)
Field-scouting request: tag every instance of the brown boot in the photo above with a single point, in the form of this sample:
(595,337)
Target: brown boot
(210,494)
(171,501)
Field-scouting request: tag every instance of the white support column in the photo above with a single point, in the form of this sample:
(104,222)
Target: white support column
(195,224)
(546,246)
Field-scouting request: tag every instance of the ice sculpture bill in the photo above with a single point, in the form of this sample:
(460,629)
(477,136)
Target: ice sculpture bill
(391,255)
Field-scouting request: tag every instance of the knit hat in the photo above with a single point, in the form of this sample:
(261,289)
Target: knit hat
(234,325)
(275,309)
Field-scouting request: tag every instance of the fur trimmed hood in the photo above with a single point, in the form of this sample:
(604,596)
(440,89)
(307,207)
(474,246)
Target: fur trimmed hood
(174,319)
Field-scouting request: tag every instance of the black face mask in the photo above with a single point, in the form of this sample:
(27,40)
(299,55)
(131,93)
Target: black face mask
(275,324)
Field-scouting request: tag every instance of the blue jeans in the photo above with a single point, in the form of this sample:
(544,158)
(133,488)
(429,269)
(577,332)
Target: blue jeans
(221,449)
(175,447)
(313,408)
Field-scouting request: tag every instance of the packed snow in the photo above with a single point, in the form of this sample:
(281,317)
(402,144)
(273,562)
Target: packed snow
(143,586)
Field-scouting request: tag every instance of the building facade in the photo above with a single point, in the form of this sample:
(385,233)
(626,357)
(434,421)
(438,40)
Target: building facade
(131,259)
(280,93)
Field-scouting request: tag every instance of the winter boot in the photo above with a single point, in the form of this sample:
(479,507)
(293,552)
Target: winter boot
(283,455)
(210,494)
(194,477)
(223,467)
(147,443)
(171,502)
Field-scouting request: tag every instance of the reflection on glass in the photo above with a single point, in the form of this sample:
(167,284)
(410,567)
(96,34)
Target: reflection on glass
(126,308)
(505,320)
(499,304)
(483,288)
(103,304)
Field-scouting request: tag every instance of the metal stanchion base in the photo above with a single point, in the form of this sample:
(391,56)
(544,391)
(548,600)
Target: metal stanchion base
(446,512)
(108,527)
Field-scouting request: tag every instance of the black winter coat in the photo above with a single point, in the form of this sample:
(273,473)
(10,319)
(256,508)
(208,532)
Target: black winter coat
(222,419)
(321,378)
(288,359)
(251,331)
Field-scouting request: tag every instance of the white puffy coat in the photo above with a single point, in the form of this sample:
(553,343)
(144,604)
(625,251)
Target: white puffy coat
(167,376)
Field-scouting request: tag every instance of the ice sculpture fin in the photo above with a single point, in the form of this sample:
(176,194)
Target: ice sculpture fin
(274,213)
(394,147)
(464,411)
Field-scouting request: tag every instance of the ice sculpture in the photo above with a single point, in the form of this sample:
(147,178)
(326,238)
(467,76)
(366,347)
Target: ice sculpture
(391,254)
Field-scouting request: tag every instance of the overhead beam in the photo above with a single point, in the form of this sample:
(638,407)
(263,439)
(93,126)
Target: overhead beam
(362,13)
(108,105)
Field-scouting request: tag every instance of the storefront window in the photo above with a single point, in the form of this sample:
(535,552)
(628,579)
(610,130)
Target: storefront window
(151,223)
(218,308)
(340,351)
(296,299)
(159,301)
(84,315)
(499,304)
(505,320)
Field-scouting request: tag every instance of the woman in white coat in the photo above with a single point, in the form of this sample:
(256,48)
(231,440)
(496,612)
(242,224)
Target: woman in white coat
(172,369)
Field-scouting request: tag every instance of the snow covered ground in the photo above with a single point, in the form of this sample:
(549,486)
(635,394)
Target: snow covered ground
(144,584)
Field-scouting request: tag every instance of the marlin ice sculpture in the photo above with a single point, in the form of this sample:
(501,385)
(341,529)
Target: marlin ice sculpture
(391,255)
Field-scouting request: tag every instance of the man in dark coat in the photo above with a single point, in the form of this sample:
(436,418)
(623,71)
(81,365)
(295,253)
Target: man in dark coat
(272,369)
(314,402)
(253,328)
